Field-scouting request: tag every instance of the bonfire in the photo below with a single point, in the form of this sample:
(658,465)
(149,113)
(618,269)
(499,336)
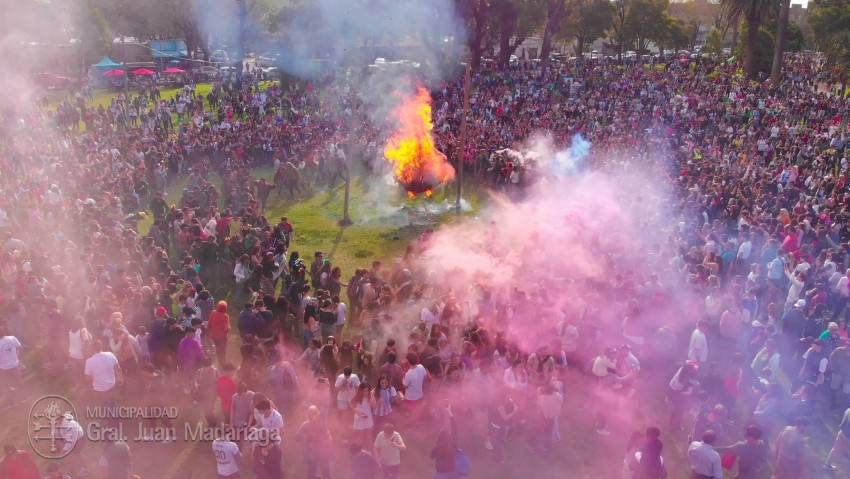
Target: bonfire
(418,166)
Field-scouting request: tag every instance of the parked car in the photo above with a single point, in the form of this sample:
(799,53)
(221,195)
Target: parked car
(208,71)
(50,81)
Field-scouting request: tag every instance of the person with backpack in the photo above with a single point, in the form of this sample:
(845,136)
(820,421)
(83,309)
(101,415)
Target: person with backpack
(445,451)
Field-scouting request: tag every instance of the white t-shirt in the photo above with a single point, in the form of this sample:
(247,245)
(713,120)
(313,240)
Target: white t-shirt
(101,367)
(71,432)
(274,422)
(413,381)
(698,347)
(428,317)
(9,352)
(340,314)
(226,453)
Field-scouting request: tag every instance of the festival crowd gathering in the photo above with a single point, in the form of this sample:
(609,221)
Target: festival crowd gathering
(733,322)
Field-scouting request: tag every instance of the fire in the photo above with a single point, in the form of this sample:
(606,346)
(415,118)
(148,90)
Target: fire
(419,166)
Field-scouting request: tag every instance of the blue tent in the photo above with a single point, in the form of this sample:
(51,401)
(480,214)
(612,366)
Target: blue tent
(98,69)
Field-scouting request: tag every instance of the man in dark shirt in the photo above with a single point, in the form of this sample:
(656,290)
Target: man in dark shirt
(249,321)
(392,371)
(363,463)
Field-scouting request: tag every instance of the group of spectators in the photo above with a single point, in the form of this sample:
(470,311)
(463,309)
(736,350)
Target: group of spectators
(386,353)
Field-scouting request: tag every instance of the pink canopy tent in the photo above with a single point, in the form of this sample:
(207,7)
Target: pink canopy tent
(143,71)
(173,70)
(114,73)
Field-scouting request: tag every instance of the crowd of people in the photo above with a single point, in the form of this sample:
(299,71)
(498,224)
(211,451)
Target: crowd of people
(755,344)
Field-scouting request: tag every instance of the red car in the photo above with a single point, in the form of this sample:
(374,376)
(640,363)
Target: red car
(52,81)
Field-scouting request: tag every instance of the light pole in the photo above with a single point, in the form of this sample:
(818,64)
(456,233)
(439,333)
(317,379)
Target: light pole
(352,127)
(126,72)
(462,153)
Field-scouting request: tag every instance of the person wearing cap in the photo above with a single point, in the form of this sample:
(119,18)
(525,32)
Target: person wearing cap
(793,324)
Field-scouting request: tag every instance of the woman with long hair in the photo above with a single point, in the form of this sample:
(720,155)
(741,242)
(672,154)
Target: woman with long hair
(362,405)
(242,270)
(334,283)
(384,395)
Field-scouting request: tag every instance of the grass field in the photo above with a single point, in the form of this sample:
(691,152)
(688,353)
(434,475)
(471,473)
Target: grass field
(383,227)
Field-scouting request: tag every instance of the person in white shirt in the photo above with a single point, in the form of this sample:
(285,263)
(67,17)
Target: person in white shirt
(340,315)
(270,420)
(74,438)
(704,460)
(414,382)
(698,346)
(10,365)
(227,456)
(104,370)
(346,385)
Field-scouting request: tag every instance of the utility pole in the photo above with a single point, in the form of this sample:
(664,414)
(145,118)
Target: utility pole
(126,72)
(352,130)
(462,153)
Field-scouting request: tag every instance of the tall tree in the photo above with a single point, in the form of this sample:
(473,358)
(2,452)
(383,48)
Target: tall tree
(514,21)
(590,21)
(781,40)
(618,26)
(475,13)
(556,12)
(753,12)
(646,20)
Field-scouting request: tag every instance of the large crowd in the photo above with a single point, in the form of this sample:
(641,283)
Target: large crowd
(757,357)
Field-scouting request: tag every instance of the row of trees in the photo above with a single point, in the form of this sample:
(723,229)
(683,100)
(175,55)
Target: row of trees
(496,25)
(503,25)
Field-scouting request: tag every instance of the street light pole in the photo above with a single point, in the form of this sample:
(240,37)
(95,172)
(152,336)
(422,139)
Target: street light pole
(462,153)
(352,127)
(126,72)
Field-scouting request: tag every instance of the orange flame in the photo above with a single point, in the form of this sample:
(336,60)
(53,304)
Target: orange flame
(419,166)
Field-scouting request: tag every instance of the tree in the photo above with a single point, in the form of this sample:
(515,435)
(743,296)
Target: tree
(618,26)
(92,31)
(556,12)
(514,20)
(713,42)
(475,13)
(762,53)
(590,21)
(781,39)
(646,21)
(830,22)
(753,12)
